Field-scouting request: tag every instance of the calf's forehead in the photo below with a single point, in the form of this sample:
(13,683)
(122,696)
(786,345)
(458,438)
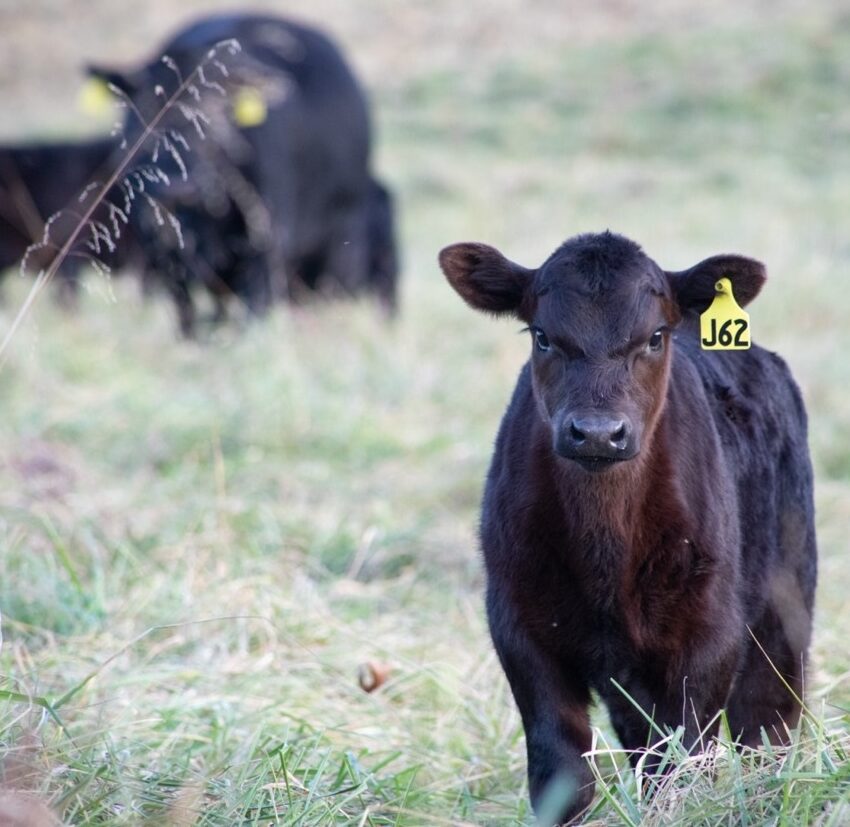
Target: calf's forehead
(604,320)
(600,281)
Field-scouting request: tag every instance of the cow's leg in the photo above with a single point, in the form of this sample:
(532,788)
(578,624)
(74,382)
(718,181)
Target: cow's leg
(769,687)
(347,255)
(255,285)
(555,720)
(219,315)
(771,681)
(646,710)
(68,286)
(177,283)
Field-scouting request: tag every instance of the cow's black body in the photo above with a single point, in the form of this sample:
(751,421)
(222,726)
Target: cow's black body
(306,164)
(38,180)
(668,573)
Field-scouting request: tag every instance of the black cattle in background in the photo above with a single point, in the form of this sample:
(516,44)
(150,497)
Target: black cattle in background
(279,208)
(38,180)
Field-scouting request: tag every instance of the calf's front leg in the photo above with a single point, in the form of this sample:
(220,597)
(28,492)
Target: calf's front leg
(553,707)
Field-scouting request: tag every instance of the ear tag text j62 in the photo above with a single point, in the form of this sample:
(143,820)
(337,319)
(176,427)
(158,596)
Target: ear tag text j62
(724,326)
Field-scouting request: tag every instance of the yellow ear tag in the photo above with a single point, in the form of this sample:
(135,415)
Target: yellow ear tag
(724,326)
(95,98)
(249,107)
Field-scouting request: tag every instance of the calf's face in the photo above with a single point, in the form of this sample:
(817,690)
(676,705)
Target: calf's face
(600,313)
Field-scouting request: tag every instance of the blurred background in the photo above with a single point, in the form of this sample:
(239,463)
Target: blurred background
(201,542)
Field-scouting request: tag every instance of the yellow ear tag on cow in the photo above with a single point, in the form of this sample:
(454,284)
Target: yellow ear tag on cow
(95,98)
(249,107)
(724,326)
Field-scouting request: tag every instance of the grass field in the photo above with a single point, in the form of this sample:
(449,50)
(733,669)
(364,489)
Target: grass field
(201,543)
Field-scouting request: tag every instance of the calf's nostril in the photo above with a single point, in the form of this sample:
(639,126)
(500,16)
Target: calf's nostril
(576,434)
(619,436)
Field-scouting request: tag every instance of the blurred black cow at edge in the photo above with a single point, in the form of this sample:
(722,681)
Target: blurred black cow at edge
(38,180)
(281,207)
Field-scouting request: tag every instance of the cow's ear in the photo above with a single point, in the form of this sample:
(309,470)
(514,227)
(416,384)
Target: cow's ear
(127,82)
(485,279)
(694,288)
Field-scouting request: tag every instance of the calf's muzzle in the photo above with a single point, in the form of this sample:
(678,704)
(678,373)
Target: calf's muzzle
(595,440)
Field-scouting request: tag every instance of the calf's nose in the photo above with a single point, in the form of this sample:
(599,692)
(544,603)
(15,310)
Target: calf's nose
(595,436)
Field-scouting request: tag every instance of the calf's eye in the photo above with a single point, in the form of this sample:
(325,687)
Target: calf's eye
(656,341)
(540,339)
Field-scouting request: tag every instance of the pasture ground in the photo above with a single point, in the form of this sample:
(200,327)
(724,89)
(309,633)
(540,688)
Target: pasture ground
(201,542)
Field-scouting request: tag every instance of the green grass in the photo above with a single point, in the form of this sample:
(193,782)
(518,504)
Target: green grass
(200,543)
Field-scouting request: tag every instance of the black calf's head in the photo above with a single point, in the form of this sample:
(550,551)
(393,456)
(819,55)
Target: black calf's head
(151,93)
(600,313)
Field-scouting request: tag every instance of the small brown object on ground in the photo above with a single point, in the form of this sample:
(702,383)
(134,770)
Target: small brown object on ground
(371,675)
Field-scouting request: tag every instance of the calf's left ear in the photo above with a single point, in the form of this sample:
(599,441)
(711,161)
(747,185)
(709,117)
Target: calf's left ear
(125,81)
(694,287)
(485,279)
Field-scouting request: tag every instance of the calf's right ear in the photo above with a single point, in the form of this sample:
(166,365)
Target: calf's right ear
(485,279)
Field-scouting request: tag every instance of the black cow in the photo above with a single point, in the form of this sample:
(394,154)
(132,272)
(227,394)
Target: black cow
(648,515)
(304,158)
(38,180)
